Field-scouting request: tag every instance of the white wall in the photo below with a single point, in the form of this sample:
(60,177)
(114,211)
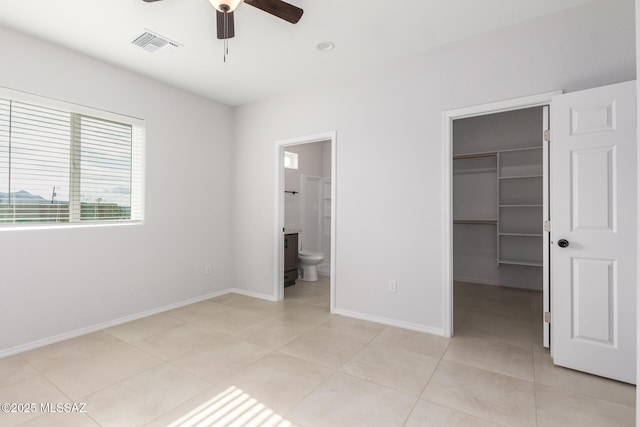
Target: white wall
(390,156)
(311,158)
(326,159)
(58,281)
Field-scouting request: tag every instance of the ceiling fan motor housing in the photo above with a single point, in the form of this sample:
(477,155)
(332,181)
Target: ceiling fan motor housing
(225,6)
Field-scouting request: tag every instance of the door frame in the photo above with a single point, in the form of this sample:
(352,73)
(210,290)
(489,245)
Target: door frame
(447,134)
(278,241)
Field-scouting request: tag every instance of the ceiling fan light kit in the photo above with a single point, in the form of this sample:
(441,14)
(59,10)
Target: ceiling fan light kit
(225,22)
(225,6)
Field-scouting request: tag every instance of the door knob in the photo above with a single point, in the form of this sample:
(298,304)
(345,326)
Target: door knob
(563,243)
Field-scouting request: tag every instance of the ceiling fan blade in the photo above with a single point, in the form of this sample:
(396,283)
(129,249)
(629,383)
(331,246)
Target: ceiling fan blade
(278,8)
(229,31)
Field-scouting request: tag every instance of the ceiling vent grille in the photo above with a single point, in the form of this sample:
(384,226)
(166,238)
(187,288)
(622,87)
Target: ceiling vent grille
(155,43)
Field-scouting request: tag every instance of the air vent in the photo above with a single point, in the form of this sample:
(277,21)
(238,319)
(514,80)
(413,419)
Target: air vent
(155,43)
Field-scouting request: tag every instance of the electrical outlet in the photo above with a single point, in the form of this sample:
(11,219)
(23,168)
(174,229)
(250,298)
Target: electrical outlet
(393,286)
(207,269)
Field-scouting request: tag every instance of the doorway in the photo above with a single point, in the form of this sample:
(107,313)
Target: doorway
(498,215)
(592,199)
(321,212)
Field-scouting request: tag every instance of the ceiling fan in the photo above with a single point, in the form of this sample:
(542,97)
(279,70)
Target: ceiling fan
(225,8)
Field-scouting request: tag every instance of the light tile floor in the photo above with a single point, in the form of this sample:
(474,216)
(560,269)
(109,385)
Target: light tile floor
(238,361)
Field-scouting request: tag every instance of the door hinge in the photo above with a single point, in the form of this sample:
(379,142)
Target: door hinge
(547,317)
(547,135)
(546,225)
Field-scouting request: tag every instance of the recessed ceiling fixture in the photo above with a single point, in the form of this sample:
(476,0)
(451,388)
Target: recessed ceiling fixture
(225,8)
(325,46)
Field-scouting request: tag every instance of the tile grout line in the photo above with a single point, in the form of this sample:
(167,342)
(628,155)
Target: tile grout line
(271,352)
(317,386)
(473,300)
(473,303)
(420,397)
(88,413)
(423,389)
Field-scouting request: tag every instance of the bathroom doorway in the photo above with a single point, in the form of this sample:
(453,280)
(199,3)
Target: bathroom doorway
(305,217)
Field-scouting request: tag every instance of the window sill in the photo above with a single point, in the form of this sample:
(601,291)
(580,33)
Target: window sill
(62,226)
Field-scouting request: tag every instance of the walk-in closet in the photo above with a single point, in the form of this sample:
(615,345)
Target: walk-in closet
(498,199)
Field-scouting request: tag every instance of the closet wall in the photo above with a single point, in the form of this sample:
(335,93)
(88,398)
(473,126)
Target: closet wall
(497,199)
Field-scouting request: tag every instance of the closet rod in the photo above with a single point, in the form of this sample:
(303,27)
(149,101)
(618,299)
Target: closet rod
(474,156)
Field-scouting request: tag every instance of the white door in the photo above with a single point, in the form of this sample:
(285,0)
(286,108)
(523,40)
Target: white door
(593,233)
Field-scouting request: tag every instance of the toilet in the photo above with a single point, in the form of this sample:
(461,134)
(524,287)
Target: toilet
(308,261)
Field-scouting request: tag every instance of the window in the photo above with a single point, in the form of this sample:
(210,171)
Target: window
(290,160)
(62,163)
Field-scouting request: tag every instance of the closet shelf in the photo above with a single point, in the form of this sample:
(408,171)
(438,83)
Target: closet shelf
(492,170)
(521,234)
(475,221)
(515,200)
(520,262)
(475,155)
(520,177)
(513,150)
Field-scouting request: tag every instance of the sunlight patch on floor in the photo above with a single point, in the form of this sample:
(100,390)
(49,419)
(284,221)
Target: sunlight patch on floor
(232,407)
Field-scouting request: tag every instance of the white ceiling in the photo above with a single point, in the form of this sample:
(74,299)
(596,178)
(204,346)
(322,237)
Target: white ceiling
(268,56)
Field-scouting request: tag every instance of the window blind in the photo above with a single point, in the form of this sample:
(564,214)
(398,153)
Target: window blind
(5,114)
(105,169)
(67,167)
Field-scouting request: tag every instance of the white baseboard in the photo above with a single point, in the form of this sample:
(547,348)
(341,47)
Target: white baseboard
(253,294)
(94,328)
(496,283)
(324,269)
(391,322)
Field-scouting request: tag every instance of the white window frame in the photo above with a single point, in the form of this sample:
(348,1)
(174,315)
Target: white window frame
(138,127)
